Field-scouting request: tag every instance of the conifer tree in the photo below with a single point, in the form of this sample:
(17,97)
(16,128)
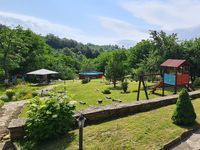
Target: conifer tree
(184,113)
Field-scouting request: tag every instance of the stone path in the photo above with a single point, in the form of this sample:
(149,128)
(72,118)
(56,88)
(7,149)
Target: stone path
(47,89)
(191,143)
(12,109)
(7,112)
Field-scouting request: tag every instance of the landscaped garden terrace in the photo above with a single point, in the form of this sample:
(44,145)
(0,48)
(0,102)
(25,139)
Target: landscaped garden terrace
(140,131)
(85,96)
(148,130)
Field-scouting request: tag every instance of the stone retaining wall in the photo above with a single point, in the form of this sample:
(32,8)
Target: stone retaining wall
(113,111)
(121,110)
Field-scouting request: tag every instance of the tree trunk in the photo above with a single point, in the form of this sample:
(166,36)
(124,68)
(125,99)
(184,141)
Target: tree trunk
(114,82)
(5,66)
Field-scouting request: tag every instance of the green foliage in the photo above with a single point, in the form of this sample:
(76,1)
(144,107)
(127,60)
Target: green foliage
(184,113)
(10,93)
(24,93)
(139,53)
(116,68)
(196,82)
(102,61)
(86,80)
(88,65)
(5,98)
(106,91)
(48,118)
(10,44)
(125,86)
(34,93)
(22,51)
(1,103)
(71,47)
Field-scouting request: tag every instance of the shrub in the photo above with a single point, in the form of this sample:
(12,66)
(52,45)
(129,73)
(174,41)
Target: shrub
(196,82)
(24,93)
(48,118)
(4,98)
(1,103)
(184,113)
(84,81)
(106,91)
(14,98)
(125,86)
(34,93)
(27,96)
(10,93)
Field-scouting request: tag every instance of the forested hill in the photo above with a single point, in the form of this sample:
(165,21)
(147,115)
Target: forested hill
(22,51)
(66,45)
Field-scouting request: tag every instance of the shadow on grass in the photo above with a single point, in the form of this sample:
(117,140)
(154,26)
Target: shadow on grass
(116,88)
(61,143)
(188,127)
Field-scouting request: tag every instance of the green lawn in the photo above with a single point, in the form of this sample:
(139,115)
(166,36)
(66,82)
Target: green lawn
(91,92)
(148,130)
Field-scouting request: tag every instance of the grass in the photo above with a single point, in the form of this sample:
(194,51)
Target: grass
(2,89)
(148,130)
(92,91)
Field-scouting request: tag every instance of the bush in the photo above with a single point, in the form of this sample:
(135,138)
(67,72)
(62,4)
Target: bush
(34,94)
(106,91)
(125,86)
(48,118)
(10,93)
(196,82)
(1,103)
(24,93)
(84,81)
(184,113)
(4,98)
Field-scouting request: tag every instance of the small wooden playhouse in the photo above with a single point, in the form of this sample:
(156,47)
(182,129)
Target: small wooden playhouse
(176,72)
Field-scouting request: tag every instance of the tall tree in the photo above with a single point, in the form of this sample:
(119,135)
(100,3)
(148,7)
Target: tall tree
(116,68)
(164,47)
(10,45)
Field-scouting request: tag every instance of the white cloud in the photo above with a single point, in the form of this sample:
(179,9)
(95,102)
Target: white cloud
(40,26)
(123,29)
(44,27)
(168,15)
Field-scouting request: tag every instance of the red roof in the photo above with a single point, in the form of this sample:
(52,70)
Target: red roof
(176,63)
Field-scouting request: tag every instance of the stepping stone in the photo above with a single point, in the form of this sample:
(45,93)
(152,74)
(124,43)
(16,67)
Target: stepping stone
(116,100)
(108,97)
(83,103)
(100,101)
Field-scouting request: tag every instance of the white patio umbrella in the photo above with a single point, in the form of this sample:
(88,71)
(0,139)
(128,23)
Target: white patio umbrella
(42,72)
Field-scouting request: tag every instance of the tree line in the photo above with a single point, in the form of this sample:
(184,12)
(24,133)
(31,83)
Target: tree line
(22,50)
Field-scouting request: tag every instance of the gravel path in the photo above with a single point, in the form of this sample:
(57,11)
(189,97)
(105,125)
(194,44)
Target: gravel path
(47,89)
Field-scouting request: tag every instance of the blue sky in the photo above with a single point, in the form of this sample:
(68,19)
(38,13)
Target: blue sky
(104,21)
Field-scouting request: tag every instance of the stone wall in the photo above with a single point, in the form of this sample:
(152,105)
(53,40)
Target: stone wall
(121,110)
(17,129)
